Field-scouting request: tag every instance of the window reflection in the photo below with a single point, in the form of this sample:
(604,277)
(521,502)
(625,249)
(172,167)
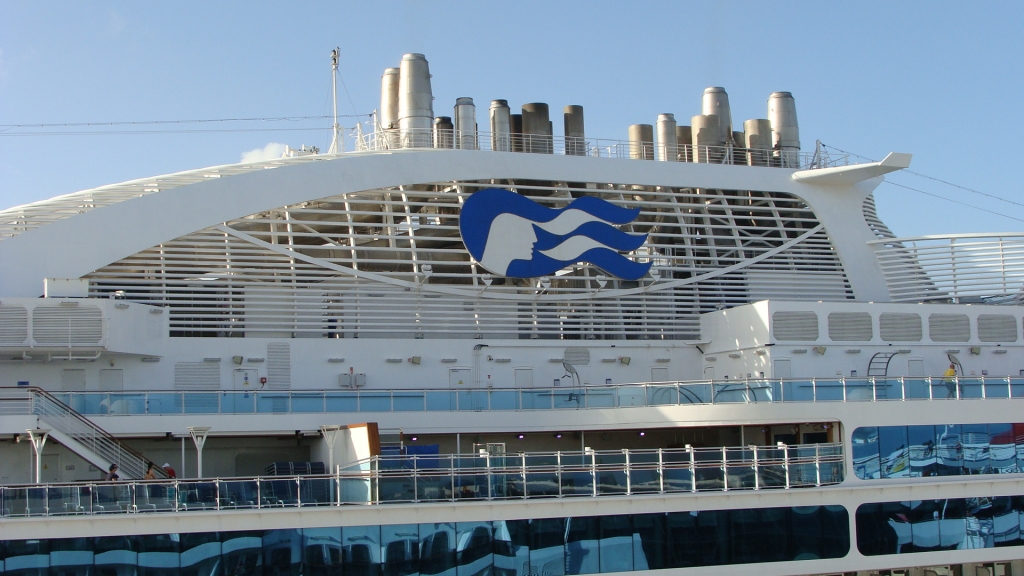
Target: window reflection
(934,525)
(942,450)
(540,547)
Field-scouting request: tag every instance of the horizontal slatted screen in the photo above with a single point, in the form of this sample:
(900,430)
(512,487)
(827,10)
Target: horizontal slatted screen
(59,325)
(900,327)
(13,325)
(795,326)
(997,328)
(197,376)
(850,326)
(353,265)
(949,327)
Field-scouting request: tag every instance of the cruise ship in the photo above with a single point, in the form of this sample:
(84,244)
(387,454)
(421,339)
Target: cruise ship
(468,345)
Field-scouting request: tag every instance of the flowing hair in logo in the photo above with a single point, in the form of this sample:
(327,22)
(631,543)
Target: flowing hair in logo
(514,236)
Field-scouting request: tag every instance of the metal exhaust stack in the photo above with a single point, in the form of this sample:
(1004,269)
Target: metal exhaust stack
(684,138)
(465,124)
(708,143)
(537,129)
(501,126)
(641,142)
(515,124)
(757,138)
(389,106)
(575,143)
(716,101)
(444,132)
(668,144)
(415,102)
(785,132)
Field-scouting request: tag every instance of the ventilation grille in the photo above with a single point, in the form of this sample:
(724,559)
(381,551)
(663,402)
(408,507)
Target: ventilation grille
(949,327)
(849,326)
(798,326)
(67,325)
(997,328)
(197,376)
(13,325)
(900,327)
(279,366)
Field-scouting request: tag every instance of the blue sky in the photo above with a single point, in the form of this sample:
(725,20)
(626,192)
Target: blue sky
(941,80)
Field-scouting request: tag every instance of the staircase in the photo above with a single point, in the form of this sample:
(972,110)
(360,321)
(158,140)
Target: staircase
(78,433)
(878,368)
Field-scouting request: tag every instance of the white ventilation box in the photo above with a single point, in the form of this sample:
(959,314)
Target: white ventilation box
(66,288)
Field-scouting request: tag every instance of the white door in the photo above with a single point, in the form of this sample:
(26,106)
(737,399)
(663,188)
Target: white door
(781,369)
(659,374)
(460,377)
(915,367)
(709,372)
(51,469)
(524,377)
(245,379)
(112,380)
(72,379)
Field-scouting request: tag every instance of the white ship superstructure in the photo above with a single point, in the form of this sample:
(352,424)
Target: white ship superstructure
(474,346)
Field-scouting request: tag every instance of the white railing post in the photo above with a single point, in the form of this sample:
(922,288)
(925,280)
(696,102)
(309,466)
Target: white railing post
(785,461)
(757,470)
(693,469)
(661,472)
(817,465)
(629,480)
(558,474)
(725,469)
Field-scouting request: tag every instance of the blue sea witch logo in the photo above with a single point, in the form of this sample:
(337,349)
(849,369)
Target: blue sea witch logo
(513,236)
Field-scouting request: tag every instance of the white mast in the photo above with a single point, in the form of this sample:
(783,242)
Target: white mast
(334,94)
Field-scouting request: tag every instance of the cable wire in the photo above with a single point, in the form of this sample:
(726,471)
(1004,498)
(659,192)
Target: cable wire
(932,178)
(203,121)
(953,201)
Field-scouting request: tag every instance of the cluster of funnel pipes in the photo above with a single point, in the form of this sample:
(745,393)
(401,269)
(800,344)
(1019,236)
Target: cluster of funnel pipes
(407,118)
(407,121)
(774,141)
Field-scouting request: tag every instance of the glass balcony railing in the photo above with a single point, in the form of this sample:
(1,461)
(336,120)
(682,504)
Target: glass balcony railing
(450,478)
(558,398)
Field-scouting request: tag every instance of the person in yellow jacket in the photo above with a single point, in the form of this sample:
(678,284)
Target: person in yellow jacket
(949,379)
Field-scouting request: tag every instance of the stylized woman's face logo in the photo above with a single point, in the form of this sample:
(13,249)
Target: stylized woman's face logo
(513,236)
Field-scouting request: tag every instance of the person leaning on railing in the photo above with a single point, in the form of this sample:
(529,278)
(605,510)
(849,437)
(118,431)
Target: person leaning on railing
(949,379)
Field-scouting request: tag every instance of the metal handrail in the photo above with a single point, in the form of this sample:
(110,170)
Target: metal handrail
(59,416)
(631,395)
(469,477)
(397,139)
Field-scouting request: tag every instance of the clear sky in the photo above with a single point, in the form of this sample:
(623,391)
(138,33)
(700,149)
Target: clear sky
(941,80)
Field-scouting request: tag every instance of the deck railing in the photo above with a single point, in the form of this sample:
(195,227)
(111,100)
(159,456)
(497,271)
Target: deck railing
(452,478)
(753,391)
(595,147)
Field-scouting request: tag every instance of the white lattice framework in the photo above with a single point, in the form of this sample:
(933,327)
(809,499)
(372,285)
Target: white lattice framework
(355,265)
(21,219)
(960,266)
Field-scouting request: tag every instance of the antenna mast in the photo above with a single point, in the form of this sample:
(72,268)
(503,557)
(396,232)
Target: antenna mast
(334,149)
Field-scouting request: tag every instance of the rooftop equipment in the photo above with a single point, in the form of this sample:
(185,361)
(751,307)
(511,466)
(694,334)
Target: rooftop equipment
(575,144)
(444,132)
(465,124)
(785,132)
(757,137)
(537,137)
(501,128)
(684,138)
(716,101)
(668,144)
(641,142)
(415,101)
(389,106)
(708,141)
(515,124)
